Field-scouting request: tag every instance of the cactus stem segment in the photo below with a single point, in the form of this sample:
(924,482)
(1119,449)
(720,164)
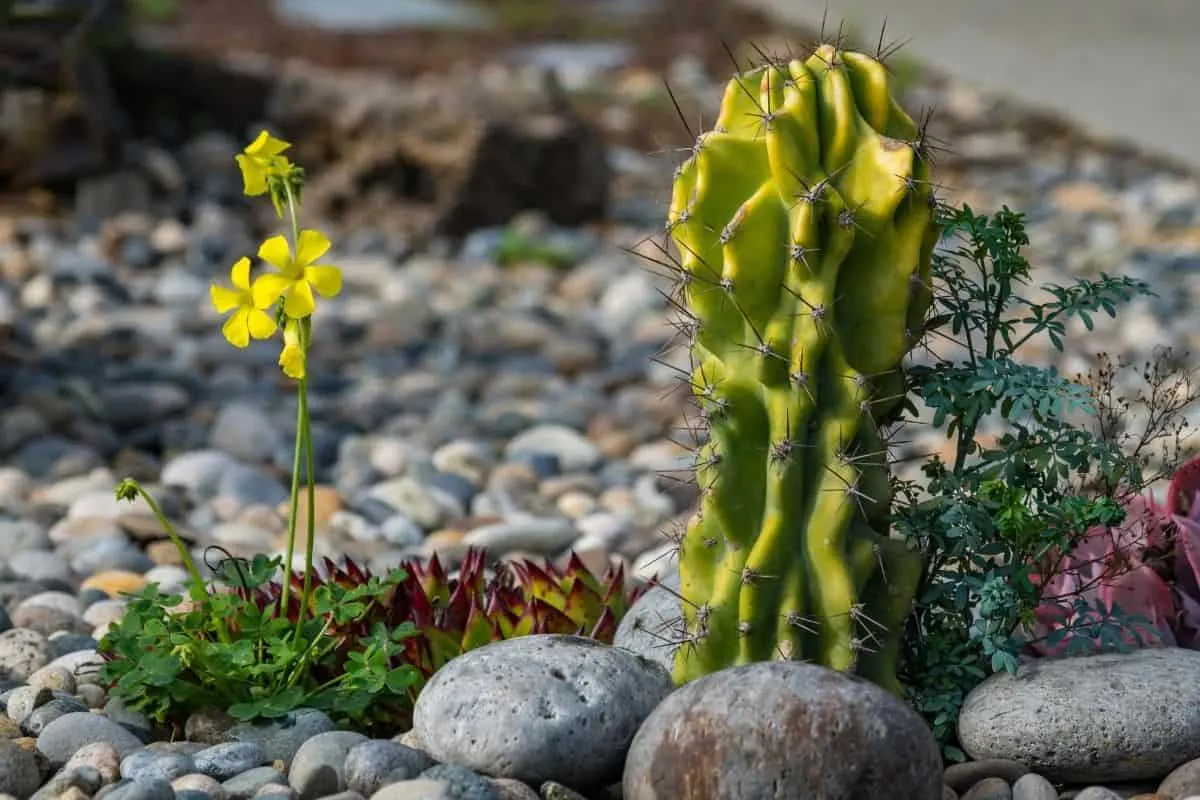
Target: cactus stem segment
(804,221)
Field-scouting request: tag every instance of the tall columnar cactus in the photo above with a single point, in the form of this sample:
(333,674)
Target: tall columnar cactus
(805,225)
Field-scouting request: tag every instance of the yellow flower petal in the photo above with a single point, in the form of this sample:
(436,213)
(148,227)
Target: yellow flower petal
(260,324)
(266,145)
(240,274)
(275,251)
(254,177)
(291,332)
(298,301)
(312,245)
(325,279)
(292,361)
(235,329)
(224,299)
(291,358)
(269,288)
(259,142)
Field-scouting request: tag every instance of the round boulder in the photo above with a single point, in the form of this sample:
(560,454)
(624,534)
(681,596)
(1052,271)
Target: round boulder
(1090,719)
(785,730)
(653,626)
(539,708)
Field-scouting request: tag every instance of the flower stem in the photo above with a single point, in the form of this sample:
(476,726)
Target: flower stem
(184,555)
(303,445)
(307,658)
(285,594)
(309,467)
(127,490)
(291,204)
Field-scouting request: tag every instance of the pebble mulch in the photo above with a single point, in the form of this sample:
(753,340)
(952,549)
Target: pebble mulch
(455,402)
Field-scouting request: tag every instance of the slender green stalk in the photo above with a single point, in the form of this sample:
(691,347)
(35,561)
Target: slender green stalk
(306,436)
(176,540)
(327,685)
(294,499)
(307,658)
(303,446)
(295,219)
(128,489)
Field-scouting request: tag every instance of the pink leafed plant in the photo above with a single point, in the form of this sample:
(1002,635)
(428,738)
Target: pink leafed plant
(1183,506)
(1116,566)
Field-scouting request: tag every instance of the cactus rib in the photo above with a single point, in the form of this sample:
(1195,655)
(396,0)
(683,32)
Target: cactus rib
(805,223)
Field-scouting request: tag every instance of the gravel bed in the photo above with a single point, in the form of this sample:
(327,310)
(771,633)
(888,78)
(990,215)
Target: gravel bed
(454,402)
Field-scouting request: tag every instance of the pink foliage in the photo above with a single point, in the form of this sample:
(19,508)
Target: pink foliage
(1187,576)
(1110,565)
(1183,504)
(1181,493)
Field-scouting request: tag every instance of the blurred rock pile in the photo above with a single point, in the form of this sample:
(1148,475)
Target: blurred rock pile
(447,156)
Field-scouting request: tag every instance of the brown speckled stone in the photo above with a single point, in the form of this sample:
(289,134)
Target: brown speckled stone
(785,730)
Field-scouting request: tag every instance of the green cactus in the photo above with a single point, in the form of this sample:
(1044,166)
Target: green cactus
(805,223)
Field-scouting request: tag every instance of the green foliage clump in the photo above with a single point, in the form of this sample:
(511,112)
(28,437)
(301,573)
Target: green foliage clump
(226,650)
(994,517)
(361,648)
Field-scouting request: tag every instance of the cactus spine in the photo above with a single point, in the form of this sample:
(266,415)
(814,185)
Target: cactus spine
(804,223)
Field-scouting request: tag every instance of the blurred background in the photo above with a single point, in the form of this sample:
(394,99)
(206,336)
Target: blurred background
(1121,68)
(491,172)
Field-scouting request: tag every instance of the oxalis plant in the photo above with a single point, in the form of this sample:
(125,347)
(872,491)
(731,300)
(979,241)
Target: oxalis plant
(222,647)
(993,517)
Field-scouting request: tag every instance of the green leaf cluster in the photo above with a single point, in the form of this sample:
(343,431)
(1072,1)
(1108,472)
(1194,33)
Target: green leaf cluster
(229,650)
(992,514)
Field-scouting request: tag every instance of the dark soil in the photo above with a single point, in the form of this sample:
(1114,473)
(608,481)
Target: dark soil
(165,91)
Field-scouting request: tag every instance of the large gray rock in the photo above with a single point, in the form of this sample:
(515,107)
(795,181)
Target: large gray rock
(461,783)
(246,432)
(1184,781)
(785,730)
(22,652)
(227,760)
(198,471)
(141,789)
(68,734)
(19,774)
(575,452)
(1099,793)
(319,767)
(539,708)
(371,765)
(247,784)
(1090,719)
(652,627)
(1033,787)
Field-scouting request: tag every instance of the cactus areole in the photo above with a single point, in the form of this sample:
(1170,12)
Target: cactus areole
(804,224)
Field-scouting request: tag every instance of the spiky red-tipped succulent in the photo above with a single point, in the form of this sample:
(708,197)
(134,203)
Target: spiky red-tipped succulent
(518,598)
(454,613)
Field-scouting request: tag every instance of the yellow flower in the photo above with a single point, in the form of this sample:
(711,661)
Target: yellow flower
(292,357)
(260,160)
(298,276)
(248,318)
